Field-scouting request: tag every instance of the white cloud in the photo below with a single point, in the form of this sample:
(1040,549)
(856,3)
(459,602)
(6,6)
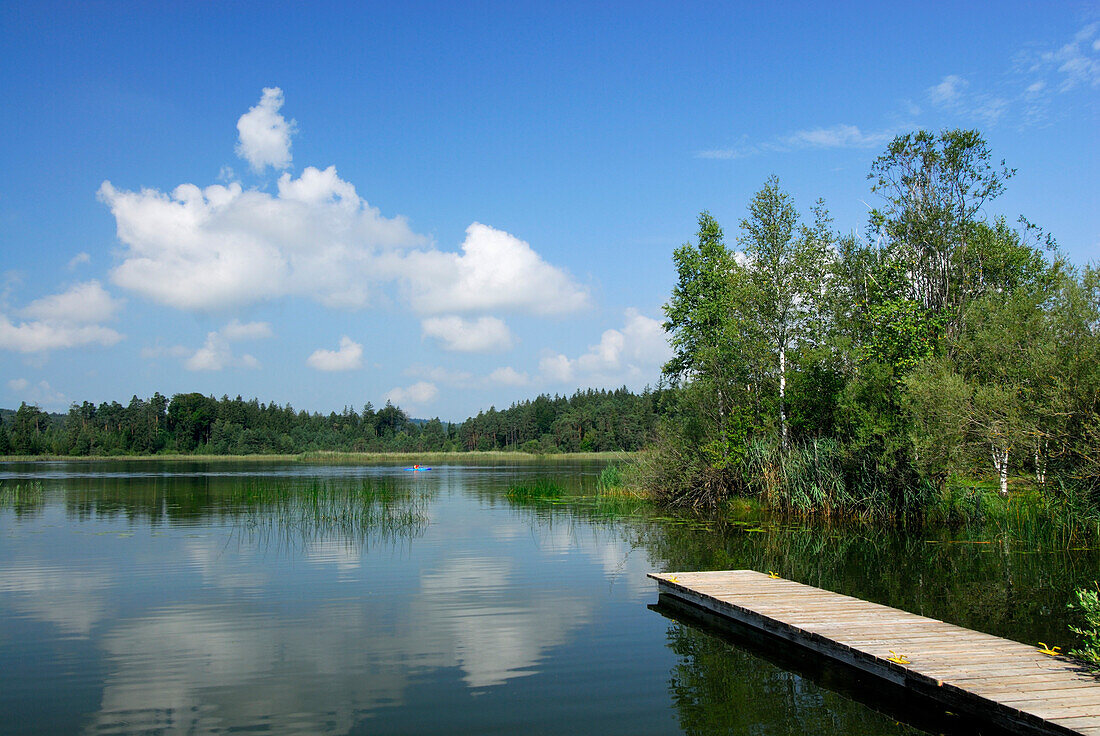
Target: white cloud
(509,376)
(218,247)
(78,259)
(40,394)
(556,367)
(495,271)
(839,136)
(1077,61)
(264,134)
(419,393)
(631,355)
(483,335)
(86,303)
(34,337)
(952,93)
(65,320)
(217,353)
(222,246)
(948,91)
(236,330)
(348,357)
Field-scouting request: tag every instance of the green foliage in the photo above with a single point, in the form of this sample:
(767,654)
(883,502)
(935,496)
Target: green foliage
(538,490)
(1088,605)
(588,421)
(611,478)
(825,374)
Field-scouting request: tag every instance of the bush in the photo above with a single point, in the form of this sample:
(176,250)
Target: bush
(1088,603)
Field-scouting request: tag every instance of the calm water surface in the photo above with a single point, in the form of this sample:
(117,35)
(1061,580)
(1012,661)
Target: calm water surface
(285,598)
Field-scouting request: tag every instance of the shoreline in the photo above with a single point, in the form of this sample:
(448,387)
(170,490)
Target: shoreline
(334,457)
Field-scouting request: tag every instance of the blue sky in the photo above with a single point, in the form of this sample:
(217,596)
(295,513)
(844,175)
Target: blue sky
(462,205)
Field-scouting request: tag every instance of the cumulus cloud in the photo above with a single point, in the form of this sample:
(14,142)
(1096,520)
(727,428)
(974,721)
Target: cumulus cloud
(264,134)
(85,303)
(216,353)
(35,337)
(348,357)
(41,394)
(483,335)
(631,355)
(223,246)
(236,330)
(66,320)
(417,394)
(509,376)
(496,270)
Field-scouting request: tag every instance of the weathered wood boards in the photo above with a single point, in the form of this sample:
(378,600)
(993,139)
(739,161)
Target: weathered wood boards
(1012,685)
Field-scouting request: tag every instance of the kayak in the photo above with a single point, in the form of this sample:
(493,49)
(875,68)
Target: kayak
(417,470)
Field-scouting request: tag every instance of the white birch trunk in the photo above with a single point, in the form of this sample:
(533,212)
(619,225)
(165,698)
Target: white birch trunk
(1000,463)
(782,395)
(1040,463)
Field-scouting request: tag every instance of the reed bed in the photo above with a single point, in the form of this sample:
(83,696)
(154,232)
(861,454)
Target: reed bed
(367,512)
(21,496)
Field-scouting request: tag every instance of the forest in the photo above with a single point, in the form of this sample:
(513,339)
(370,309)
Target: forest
(882,374)
(191,423)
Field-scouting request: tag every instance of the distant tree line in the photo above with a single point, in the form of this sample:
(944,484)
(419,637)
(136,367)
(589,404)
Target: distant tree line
(829,372)
(588,421)
(193,423)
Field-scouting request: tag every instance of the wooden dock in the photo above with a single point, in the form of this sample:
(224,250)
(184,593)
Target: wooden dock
(1009,684)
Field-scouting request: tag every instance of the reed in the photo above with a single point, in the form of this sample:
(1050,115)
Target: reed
(20,495)
(611,478)
(538,490)
(356,513)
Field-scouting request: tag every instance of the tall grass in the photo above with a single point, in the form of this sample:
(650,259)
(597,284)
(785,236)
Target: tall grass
(820,477)
(538,490)
(371,510)
(611,478)
(21,495)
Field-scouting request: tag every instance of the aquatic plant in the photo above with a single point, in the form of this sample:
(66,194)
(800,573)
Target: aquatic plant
(541,489)
(611,477)
(1088,604)
(21,496)
(358,513)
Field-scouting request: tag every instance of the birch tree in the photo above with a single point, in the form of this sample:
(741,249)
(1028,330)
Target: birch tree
(935,186)
(786,268)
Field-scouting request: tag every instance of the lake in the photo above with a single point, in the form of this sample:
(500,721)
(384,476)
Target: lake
(191,597)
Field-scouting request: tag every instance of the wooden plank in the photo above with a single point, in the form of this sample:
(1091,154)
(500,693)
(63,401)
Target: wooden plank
(1008,683)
